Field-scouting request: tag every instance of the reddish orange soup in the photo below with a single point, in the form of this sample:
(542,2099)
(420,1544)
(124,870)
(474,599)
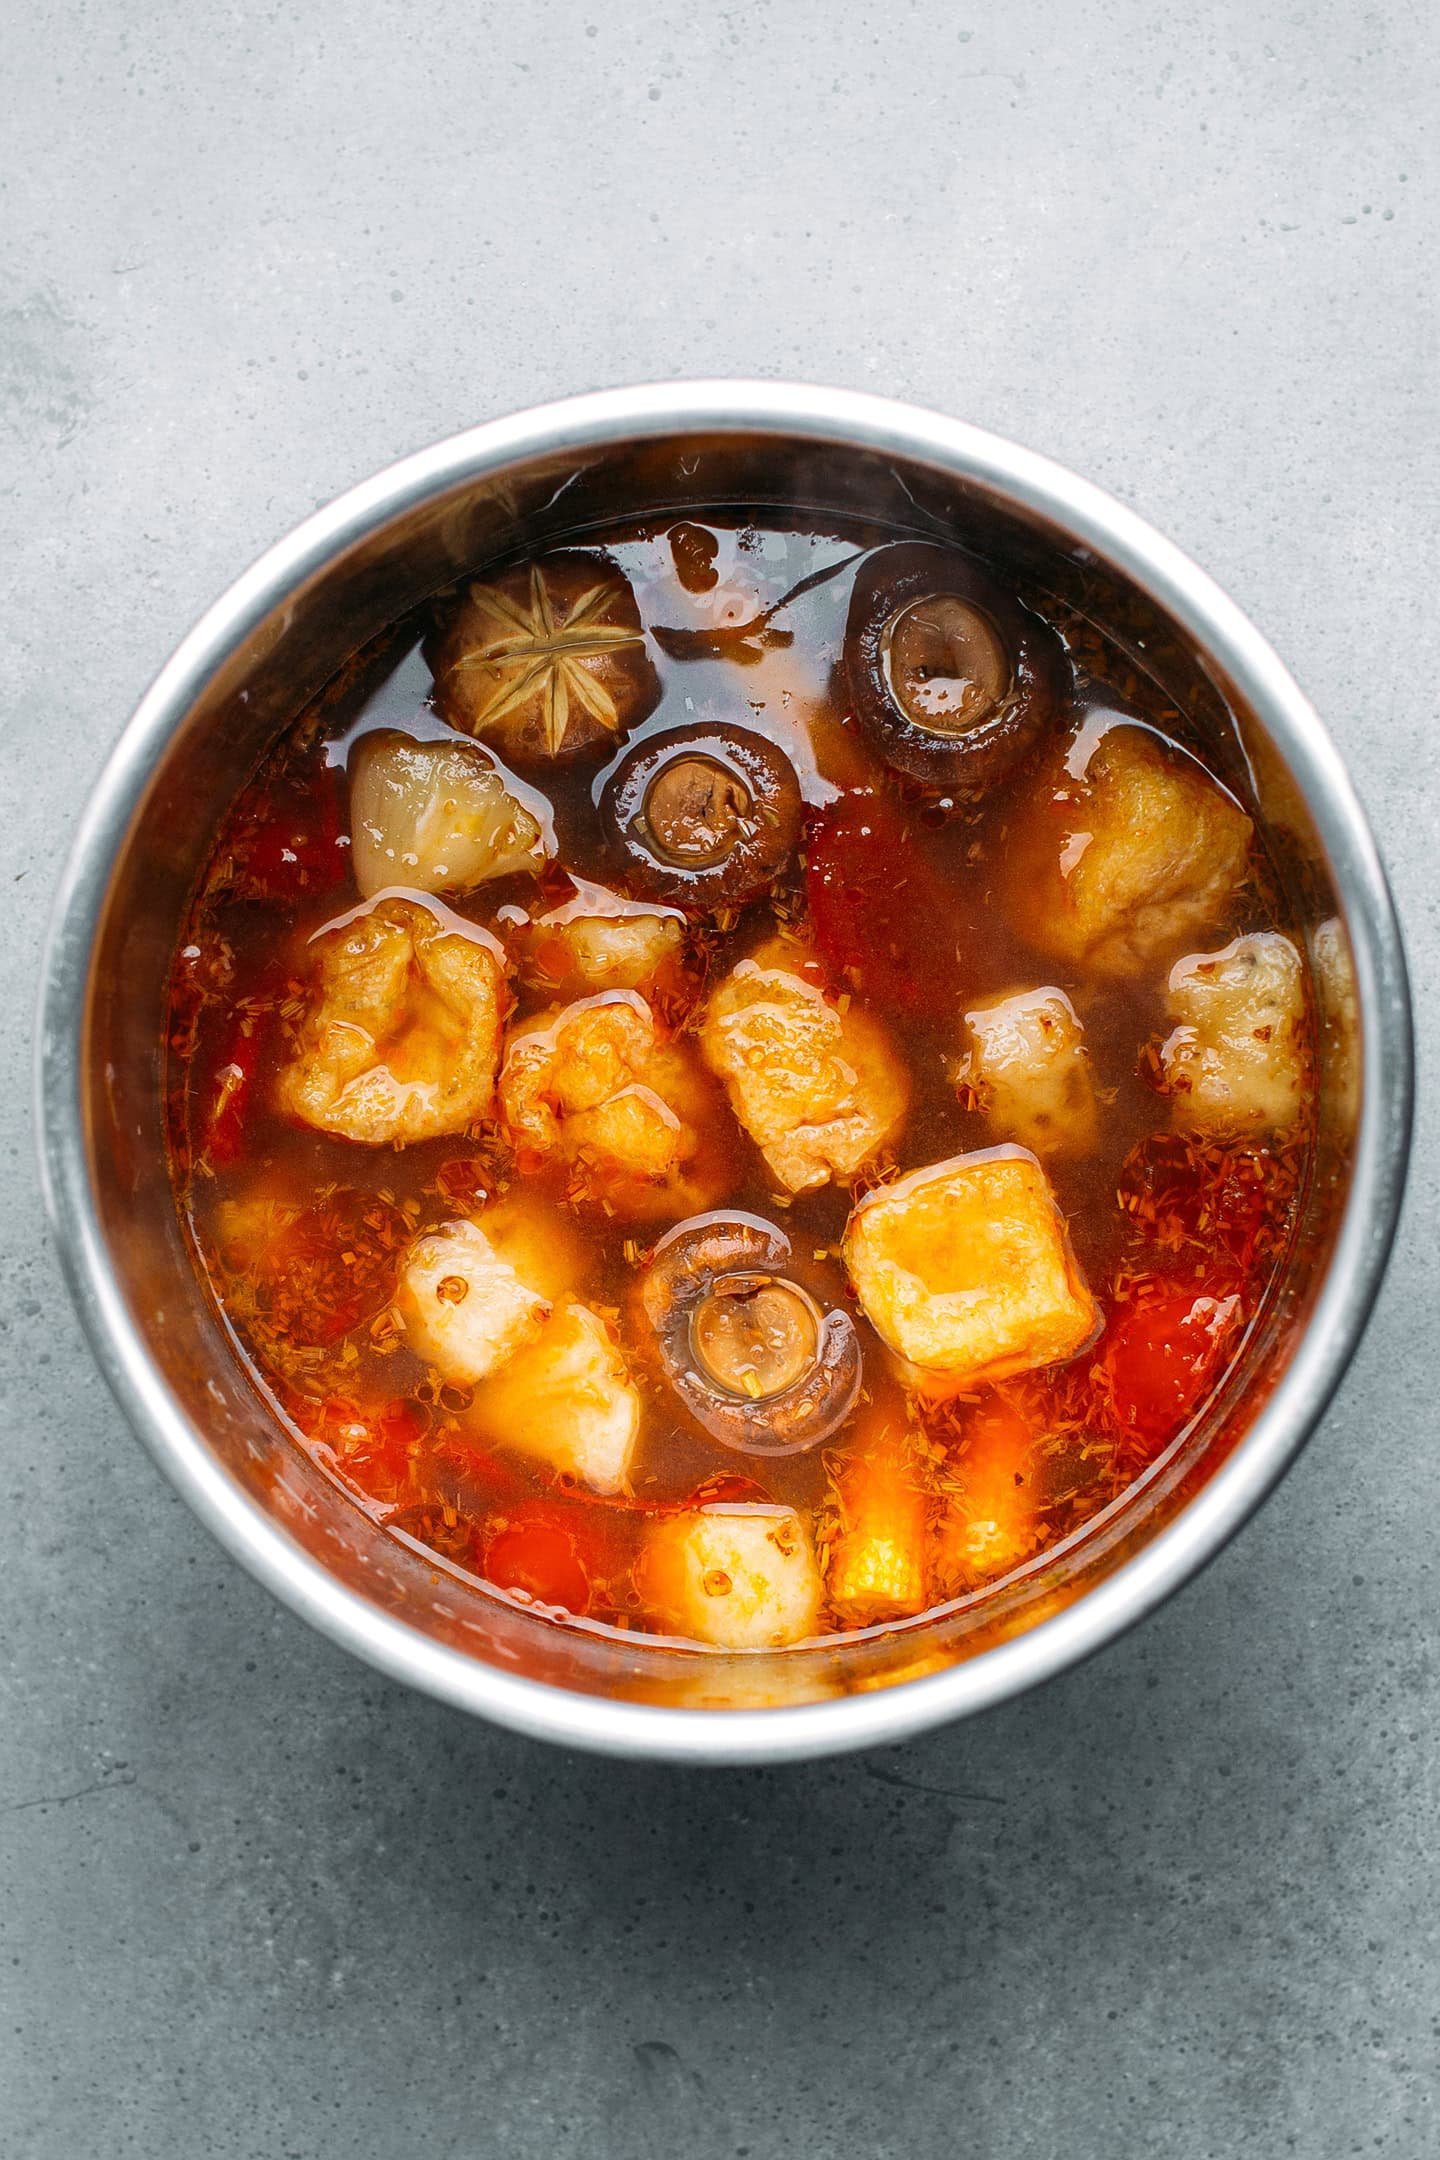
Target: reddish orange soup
(738,1082)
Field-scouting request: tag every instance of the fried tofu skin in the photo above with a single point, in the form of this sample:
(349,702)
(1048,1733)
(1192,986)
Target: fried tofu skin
(965,1270)
(742,1576)
(402,1035)
(436,817)
(1237,1061)
(565,1399)
(464,1308)
(818,1088)
(875,1568)
(1031,1074)
(1133,852)
(598,1087)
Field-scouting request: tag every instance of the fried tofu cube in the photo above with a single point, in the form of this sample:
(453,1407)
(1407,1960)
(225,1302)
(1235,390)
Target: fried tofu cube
(818,1088)
(401,1037)
(566,1399)
(1132,853)
(741,1576)
(875,1569)
(465,1310)
(1027,1063)
(598,1087)
(1237,1061)
(965,1270)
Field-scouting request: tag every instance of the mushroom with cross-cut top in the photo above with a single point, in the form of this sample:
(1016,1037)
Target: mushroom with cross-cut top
(547,662)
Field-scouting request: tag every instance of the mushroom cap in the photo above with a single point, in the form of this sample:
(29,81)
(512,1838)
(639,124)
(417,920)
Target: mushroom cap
(547,661)
(754,1358)
(952,679)
(705,816)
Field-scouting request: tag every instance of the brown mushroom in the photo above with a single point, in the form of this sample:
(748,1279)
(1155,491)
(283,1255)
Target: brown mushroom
(753,1357)
(951,678)
(547,662)
(705,815)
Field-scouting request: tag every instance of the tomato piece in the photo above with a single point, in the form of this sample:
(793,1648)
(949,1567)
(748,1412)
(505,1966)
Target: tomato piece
(1162,1354)
(877,907)
(536,1550)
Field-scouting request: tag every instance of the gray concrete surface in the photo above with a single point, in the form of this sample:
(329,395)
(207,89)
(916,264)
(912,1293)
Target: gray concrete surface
(255,1902)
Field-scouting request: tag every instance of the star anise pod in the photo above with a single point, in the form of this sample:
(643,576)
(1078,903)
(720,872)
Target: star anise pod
(548,661)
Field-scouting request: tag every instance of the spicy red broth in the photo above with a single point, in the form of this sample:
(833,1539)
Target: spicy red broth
(739,1081)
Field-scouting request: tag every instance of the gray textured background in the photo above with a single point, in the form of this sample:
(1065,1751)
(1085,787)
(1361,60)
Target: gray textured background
(255,1902)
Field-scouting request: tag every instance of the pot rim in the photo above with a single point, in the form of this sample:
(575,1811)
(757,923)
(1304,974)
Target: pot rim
(850,420)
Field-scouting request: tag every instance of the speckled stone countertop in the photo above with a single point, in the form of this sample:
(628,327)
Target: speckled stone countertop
(256,1902)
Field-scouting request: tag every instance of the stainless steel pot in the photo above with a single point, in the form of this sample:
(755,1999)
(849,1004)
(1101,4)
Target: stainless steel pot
(278,635)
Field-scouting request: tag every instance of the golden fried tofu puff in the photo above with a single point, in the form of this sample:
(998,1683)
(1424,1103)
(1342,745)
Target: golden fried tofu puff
(400,1038)
(738,1575)
(1129,852)
(965,1270)
(811,1077)
(1237,1061)
(598,1089)
(1029,1071)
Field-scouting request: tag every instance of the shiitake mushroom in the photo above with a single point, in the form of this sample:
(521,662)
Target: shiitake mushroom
(754,1359)
(547,662)
(951,678)
(707,815)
